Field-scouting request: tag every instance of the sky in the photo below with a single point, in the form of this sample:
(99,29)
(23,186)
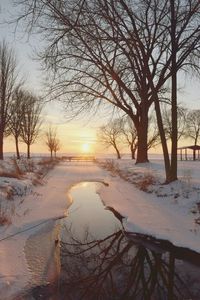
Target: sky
(74,135)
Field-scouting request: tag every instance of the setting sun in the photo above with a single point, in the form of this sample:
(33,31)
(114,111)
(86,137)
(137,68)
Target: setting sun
(85,148)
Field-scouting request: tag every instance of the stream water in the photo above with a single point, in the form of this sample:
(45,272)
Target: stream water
(95,259)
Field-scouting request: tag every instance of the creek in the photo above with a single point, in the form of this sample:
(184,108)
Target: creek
(92,257)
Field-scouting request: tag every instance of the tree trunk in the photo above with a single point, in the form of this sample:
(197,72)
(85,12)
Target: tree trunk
(142,132)
(162,137)
(17,148)
(51,153)
(118,153)
(1,145)
(160,127)
(173,168)
(28,151)
(133,150)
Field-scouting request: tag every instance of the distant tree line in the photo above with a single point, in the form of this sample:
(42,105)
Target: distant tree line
(20,109)
(120,133)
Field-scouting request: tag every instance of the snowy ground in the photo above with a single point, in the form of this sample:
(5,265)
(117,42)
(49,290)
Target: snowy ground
(169,212)
(163,211)
(40,206)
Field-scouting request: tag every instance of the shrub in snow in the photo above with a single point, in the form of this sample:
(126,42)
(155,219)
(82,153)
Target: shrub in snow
(9,174)
(110,165)
(45,165)
(145,182)
(26,165)
(4,218)
(10,168)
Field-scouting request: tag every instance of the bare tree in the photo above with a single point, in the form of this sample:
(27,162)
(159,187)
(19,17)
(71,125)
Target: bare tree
(179,49)
(8,79)
(120,52)
(52,141)
(172,34)
(94,46)
(50,137)
(129,133)
(181,122)
(16,112)
(193,125)
(31,120)
(57,146)
(110,135)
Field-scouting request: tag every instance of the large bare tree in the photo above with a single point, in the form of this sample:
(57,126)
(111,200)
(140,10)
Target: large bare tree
(92,58)
(172,32)
(120,52)
(31,120)
(8,81)
(179,50)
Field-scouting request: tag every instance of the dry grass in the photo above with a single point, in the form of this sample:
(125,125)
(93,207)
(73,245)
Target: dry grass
(10,174)
(142,182)
(9,193)
(45,165)
(17,168)
(145,182)
(4,219)
(37,180)
(16,172)
(110,165)
(27,165)
(48,161)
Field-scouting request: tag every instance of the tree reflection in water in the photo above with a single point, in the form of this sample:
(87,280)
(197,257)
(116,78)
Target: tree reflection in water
(116,268)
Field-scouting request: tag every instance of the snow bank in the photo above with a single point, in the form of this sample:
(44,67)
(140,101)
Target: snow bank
(163,211)
(166,212)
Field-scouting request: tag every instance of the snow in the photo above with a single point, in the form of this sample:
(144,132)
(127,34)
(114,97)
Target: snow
(135,191)
(163,211)
(44,203)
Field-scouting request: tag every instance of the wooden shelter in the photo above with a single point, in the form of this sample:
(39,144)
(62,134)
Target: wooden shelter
(184,155)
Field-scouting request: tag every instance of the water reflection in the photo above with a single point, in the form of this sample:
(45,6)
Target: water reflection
(116,268)
(98,260)
(88,212)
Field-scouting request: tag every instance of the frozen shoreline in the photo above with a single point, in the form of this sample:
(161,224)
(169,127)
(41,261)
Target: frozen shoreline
(162,217)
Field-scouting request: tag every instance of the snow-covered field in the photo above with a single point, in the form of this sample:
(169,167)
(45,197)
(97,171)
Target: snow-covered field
(164,211)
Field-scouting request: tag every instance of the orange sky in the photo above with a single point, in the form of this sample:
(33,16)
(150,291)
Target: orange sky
(73,139)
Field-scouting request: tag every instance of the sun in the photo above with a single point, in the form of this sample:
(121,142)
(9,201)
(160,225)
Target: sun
(85,147)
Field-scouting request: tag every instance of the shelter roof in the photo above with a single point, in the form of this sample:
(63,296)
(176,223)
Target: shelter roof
(192,147)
